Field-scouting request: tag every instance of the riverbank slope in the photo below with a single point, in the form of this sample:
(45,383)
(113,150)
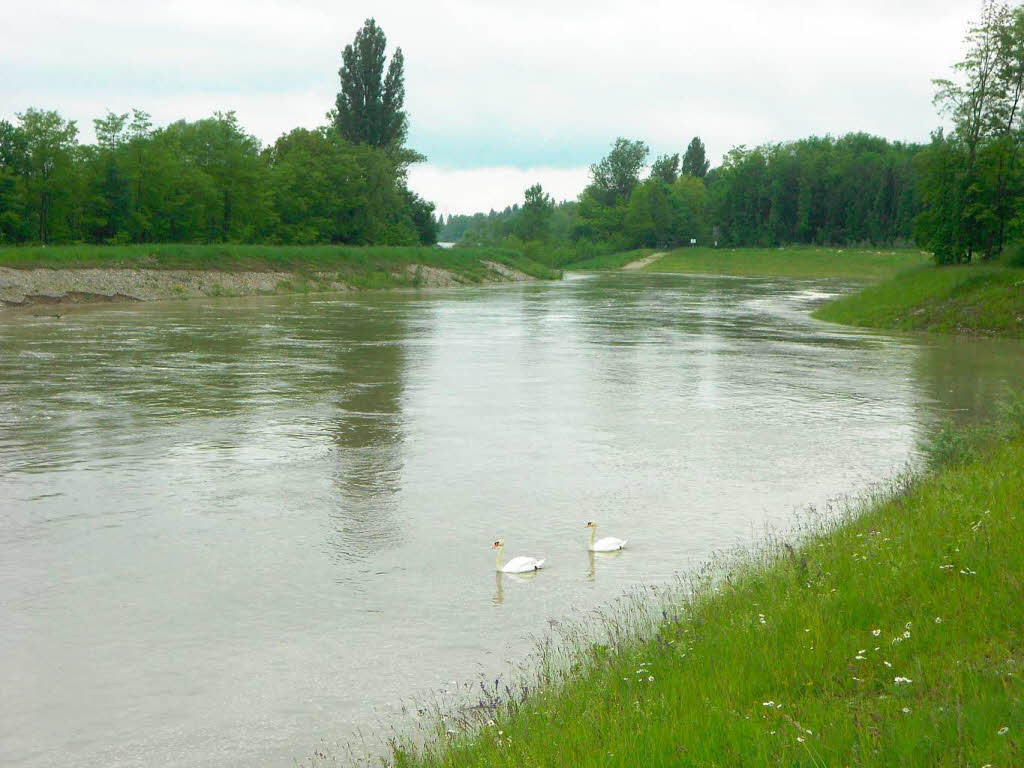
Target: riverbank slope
(985,300)
(890,637)
(77,274)
(799,262)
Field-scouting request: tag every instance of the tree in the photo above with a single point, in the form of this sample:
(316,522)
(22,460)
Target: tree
(666,168)
(617,174)
(368,109)
(695,162)
(49,144)
(984,101)
(13,157)
(537,210)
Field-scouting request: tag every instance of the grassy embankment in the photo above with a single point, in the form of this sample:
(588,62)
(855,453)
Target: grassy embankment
(892,636)
(912,294)
(364,267)
(976,299)
(798,262)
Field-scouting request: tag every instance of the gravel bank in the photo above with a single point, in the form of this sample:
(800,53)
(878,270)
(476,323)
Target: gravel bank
(21,288)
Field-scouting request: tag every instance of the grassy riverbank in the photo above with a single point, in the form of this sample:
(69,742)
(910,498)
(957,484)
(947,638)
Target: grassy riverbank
(371,266)
(889,637)
(799,262)
(975,299)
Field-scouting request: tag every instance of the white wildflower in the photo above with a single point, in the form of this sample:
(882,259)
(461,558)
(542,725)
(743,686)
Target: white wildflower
(768,703)
(876,632)
(1004,730)
(907,634)
(859,657)
(906,710)
(800,739)
(650,679)
(899,680)
(938,619)
(907,625)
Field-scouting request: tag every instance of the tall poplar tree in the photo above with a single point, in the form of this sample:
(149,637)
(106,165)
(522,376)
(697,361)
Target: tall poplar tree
(695,161)
(368,109)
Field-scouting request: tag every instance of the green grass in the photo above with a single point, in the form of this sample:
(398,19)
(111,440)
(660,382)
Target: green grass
(369,266)
(977,299)
(800,262)
(892,636)
(615,260)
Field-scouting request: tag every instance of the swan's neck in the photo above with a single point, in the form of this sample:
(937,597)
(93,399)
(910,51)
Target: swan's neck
(593,534)
(500,550)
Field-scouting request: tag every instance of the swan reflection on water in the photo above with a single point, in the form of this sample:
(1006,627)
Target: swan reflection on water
(499,579)
(593,556)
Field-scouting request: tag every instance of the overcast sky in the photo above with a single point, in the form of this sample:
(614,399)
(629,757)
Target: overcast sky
(501,94)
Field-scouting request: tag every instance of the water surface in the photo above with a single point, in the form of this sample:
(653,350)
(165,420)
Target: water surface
(232,530)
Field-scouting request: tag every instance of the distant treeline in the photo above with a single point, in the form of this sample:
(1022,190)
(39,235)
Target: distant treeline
(210,181)
(854,189)
(960,196)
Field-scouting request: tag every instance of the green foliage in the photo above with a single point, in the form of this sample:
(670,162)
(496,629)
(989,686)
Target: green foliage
(368,109)
(1013,256)
(695,162)
(666,169)
(971,181)
(535,220)
(201,181)
(817,191)
(48,142)
(210,181)
(977,299)
(615,176)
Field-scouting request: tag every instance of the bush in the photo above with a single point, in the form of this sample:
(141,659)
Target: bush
(1013,255)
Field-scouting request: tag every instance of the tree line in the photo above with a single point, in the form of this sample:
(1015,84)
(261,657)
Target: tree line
(961,196)
(852,189)
(210,181)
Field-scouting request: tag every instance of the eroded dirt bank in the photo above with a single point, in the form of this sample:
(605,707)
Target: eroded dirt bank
(23,288)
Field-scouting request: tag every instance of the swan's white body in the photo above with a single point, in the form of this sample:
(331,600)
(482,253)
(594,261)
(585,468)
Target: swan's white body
(522,565)
(606,544)
(519,564)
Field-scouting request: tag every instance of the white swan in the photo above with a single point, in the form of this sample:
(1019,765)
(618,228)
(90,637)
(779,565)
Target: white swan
(607,544)
(516,564)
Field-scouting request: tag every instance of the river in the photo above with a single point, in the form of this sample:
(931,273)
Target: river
(232,531)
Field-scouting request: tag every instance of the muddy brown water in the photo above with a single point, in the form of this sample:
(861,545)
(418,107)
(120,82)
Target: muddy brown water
(232,531)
